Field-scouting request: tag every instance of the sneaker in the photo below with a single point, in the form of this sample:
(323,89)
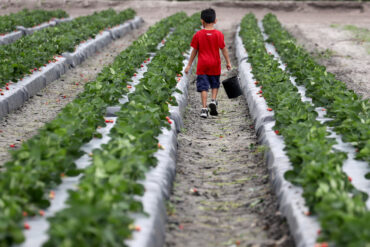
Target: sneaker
(213,107)
(204,113)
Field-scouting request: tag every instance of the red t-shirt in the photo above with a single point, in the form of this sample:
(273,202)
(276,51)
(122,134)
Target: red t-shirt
(208,43)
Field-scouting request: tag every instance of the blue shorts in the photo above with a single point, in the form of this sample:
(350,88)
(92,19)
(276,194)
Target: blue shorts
(204,82)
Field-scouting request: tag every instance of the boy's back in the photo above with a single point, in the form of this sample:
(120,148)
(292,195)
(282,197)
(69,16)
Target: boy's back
(208,43)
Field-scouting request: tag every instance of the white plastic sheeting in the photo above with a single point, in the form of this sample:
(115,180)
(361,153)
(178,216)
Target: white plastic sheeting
(303,228)
(21,91)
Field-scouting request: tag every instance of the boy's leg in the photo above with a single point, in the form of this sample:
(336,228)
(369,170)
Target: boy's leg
(214,93)
(202,87)
(215,85)
(204,95)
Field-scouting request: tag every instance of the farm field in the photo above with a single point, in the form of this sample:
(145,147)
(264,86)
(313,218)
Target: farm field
(286,164)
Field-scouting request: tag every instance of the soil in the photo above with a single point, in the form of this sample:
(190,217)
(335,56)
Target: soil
(42,108)
(219,157)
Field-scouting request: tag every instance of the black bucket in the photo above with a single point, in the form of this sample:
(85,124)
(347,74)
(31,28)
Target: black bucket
(232,87)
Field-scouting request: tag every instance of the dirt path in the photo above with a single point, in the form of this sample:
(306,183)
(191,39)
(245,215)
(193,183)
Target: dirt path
(219,157)
(42,108)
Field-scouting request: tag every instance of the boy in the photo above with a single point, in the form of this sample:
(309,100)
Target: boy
(206,44)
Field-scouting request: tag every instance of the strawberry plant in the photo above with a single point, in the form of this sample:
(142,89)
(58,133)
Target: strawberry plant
(28,18)
(350,113)
(317,167)
(41,162)
(36,50)
(106,196)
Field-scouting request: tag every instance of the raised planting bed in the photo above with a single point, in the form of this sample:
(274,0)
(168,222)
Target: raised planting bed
(40,163)
(300,152)
(126,159)
(32,52)
(350,114)
(14,95)
(28,18)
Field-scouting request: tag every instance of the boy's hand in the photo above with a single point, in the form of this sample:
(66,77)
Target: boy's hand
(228,66)
(187,69)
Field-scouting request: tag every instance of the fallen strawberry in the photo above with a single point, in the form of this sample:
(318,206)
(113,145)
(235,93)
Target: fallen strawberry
(26,226)
(12,145)
(276,132)
(256,82)
(7,88)
(349,179)
(269,109)
(129,86)
(52,195)
(237,242)
(41,212)
(181,227)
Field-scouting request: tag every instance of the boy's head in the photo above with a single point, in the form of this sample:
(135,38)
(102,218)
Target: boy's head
(208,16)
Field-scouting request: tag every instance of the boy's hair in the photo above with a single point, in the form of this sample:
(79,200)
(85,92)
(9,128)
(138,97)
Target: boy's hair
(208,15)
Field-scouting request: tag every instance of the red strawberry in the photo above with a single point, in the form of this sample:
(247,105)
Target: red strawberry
(141,65)
(2,93)
(163,41)
(64,96)
(137,228)
(237,242)
(181,227)
(349,179)
(7,88)
(25,214)
(260,91)
(41,212)
(144,61)
(323,109)
(269,109)
(26,226)
(256,82)
(7,84)
(168,119)
(134,74)
(276,132)
(77,84)
(318,232)
(129,86)
(107,121)
(12,145)
(308,213)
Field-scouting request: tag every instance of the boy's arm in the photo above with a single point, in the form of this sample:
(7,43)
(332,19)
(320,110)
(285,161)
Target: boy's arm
(225,53)
(191,59)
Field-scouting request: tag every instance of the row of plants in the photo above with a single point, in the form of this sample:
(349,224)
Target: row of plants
(41,162)
(317,168)
(31,52)
(350,113)
(99,211)
(28,18)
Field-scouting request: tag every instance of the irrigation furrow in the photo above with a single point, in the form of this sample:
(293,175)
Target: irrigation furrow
(355,169)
